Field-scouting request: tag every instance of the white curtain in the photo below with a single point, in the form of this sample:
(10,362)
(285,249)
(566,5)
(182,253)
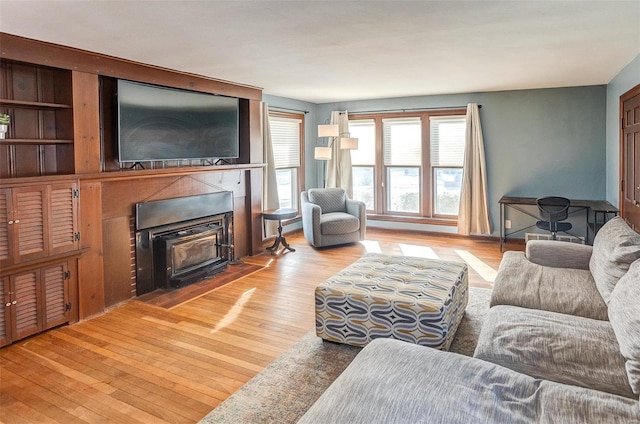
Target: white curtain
(473,216)
(339,173)
(270,198)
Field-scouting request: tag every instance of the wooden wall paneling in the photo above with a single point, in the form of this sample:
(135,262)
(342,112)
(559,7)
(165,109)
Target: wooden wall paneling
(33,51)
(109,124)
(254,188)
(6,152)
(121,196)
(245,131)
(240,228)
(255,129)
(27,160)
(117,260)
(90,281)
(254,210)
(86,122)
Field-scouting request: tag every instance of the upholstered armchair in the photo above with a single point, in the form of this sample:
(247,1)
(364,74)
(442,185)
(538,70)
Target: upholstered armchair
(330,218)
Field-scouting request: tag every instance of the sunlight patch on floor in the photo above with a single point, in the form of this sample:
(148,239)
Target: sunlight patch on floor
(418,251)
(372,246)
(235,310)
(484,270)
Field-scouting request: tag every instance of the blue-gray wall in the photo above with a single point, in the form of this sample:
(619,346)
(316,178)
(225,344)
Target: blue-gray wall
(310,131)
(626,79)
(537,142)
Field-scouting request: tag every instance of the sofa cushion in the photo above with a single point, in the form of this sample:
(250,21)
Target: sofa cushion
(558,255)
(397,382)
(615,248)
(520,282)
(624,314)
(338,223)
(555,347)
(329,199)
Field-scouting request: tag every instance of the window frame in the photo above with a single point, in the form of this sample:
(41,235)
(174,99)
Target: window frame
(300,172)
(427,191)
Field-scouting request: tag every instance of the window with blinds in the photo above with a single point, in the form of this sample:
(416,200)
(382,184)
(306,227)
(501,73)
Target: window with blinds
(363,161)
(447,140)
(402,141)
(447,134)
(286,135)
(409,164)
(402,157)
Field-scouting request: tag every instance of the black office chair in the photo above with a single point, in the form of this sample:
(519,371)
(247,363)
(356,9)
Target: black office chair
(553,209)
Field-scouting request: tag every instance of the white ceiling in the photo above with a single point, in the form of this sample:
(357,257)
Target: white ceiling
(325,51)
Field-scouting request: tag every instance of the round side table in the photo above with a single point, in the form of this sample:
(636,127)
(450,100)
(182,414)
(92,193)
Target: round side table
(279,215)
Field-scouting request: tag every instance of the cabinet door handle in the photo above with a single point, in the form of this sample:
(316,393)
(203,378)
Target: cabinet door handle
(10,222)
(8,304)
(14,302)
(16,221)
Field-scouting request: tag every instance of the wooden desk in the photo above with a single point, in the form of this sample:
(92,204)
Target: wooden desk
(597,213)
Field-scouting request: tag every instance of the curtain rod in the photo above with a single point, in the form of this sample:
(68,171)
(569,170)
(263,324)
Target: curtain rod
(276,108)
(409,110)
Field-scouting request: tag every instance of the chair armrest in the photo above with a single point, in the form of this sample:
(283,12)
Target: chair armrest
(558,254)
(311,221)
(356,208)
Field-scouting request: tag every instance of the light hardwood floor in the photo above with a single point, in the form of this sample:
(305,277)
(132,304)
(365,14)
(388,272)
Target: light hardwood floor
(140,363)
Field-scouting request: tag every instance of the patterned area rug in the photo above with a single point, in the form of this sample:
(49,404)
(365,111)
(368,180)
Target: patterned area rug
(286,388)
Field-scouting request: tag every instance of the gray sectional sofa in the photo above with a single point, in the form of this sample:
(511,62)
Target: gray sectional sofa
(560,344)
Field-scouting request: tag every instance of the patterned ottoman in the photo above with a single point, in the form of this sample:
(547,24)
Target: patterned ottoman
(417,300)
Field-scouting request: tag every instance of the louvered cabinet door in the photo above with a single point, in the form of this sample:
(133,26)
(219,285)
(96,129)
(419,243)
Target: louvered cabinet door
(30,225)
(5,312)
(63,218)
(26,304)
(55,280)
(6,228)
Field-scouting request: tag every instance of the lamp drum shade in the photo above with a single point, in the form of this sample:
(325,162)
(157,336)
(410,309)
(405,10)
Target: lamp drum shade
(322,153)
(328,130)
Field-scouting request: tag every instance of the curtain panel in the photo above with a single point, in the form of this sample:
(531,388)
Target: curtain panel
(473,215)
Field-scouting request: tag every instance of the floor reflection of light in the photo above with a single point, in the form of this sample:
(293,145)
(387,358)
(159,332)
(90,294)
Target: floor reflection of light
(235,310)
(485,271)
(372,246)
(418,251)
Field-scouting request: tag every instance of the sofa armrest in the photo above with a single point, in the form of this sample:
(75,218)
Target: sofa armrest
(559,254)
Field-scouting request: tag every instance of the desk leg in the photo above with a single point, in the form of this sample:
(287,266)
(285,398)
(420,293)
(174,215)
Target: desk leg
(501,225)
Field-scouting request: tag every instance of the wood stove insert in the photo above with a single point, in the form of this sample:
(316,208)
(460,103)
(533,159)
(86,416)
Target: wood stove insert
(183,240)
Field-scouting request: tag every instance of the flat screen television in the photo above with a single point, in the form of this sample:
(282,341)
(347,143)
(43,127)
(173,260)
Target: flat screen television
(159,123)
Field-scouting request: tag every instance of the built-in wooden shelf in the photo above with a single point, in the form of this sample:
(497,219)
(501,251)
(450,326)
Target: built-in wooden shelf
(32,105)
(11,141)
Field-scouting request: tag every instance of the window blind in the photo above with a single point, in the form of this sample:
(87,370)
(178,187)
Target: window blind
(365,131)
(447,140)
(285,135)
(401,139)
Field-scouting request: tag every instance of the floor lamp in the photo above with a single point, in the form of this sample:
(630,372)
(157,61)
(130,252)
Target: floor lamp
(346,142)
